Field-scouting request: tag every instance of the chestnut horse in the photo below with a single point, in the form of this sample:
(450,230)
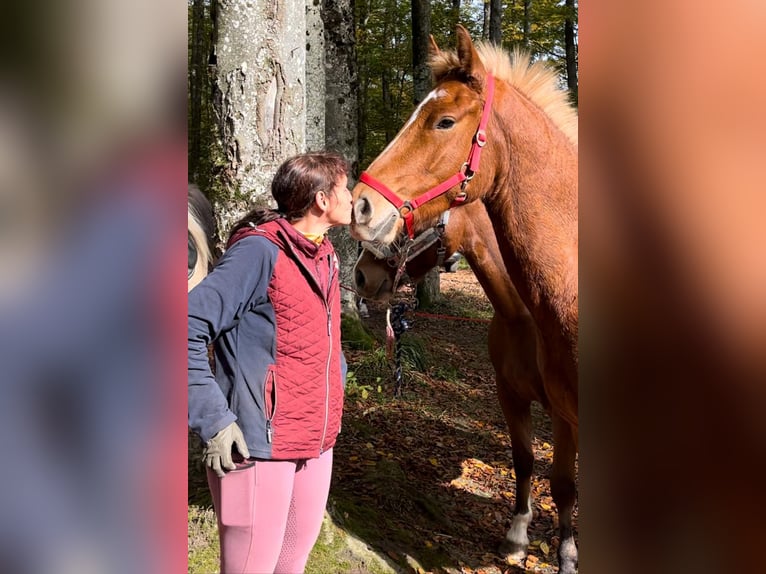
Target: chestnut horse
(521,162)
(513,350)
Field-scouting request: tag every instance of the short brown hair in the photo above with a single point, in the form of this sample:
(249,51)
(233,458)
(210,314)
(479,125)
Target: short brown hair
(295,186)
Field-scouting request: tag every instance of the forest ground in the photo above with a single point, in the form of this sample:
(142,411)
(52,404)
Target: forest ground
(422,483)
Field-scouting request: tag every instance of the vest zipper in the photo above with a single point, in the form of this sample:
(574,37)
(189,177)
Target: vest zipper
(329,358)
(325,300)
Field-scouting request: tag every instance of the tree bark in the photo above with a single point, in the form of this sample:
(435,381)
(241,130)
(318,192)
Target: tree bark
(496,22)
(197,78)
(526,23)
(455,16)
(485,22)
(315,77)
(260,92)
(571,50)
(428,290)
(341,116)
(421,29)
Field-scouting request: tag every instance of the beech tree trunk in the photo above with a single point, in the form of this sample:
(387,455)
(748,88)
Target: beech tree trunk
(260,79)
(341,116)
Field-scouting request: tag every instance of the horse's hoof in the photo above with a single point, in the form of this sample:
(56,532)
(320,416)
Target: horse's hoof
(568,557)
(513,552)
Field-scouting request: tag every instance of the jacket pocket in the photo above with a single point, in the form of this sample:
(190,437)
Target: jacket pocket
(270,400)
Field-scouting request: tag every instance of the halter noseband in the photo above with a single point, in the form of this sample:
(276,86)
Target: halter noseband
(406,208)
(414,247)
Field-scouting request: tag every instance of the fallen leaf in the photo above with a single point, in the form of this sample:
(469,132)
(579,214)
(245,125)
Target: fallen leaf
(545,548)
(433,461)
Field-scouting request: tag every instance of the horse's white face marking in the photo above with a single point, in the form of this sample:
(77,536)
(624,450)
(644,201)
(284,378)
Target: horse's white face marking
(432,95)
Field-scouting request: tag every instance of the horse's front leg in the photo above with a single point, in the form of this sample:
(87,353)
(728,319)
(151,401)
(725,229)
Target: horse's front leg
(518,416)
(564,491)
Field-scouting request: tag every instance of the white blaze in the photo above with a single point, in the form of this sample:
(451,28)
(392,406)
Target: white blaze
(432,95)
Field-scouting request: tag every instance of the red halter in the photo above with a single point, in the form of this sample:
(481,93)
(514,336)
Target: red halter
(464,175)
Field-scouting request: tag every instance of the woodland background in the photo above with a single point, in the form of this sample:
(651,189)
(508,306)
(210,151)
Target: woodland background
(268,80)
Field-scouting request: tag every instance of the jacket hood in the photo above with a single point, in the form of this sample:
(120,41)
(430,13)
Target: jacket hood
(281,232)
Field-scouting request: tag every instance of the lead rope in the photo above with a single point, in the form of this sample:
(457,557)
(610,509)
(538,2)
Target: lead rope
(397,324)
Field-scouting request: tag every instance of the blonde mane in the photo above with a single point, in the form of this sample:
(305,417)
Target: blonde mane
(536,80)
(204,255)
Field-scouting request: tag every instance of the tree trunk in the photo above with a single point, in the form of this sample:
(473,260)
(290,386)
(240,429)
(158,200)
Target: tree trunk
(496,22)
(455,15)
(315,77)
(421,29)
(364,82)
(197,79)
(428,290)
(260,92)
(526,23)
(571,49)
(388,105)
(485,22)
(341,109)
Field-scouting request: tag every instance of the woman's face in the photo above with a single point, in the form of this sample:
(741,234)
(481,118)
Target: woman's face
(339,203)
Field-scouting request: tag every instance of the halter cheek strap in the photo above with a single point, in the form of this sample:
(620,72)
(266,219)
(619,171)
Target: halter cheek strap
(406,208)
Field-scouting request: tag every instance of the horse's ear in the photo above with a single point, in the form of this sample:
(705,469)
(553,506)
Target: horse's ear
(469,59)
(433,48)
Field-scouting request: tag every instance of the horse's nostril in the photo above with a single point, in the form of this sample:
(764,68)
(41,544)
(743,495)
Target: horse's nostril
(359,279)
(362,210)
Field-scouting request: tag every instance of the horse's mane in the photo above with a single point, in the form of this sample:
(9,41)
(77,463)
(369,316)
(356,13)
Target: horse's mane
(538,81)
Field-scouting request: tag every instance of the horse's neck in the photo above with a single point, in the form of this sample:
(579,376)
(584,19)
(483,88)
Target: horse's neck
(533,208)
(478,244)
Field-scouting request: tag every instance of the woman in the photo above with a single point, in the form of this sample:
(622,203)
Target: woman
(271,306)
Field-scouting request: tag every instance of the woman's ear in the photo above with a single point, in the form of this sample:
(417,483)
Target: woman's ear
(320,199)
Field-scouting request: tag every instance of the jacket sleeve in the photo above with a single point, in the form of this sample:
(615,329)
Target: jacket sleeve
(240,279)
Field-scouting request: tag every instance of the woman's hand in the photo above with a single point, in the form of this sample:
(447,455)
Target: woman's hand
(217,452)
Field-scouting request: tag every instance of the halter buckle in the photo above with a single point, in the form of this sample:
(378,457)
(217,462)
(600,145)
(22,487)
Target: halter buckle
(406,205)
(481,138)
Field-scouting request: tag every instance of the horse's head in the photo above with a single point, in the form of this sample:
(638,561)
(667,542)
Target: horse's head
(375,270)
(422,171)
(374,277)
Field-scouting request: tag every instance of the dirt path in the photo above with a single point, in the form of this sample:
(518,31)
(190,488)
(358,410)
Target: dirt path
(428,478)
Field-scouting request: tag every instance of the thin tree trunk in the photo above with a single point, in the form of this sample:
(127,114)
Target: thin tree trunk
(485,22)
(496,22)
(387,104)
(197,79)
(428,289)
(421,29)
(455,15)
(341,105)
(526,23)
(571,50)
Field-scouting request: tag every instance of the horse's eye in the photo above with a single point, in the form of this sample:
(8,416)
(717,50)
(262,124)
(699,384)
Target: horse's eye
(445,124)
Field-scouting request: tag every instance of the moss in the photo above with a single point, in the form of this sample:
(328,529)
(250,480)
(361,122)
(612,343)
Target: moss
(355,335)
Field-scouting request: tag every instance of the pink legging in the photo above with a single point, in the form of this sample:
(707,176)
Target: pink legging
(270,513)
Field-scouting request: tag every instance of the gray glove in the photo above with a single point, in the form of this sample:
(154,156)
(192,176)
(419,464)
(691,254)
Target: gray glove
(217,451)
